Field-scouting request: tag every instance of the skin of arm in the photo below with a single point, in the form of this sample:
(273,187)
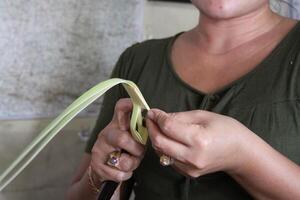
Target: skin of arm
(80,188)
(213,142)
(267,174)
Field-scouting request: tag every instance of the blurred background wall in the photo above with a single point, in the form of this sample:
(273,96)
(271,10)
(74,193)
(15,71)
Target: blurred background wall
(52,51)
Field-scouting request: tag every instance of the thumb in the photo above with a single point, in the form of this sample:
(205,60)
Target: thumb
(188,117)
(158,116)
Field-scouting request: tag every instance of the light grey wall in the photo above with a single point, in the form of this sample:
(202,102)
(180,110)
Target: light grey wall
(53,50)
(50,173)
(164,19)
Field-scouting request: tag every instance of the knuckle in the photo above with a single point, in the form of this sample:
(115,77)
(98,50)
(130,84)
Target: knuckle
(199,164)
(136,162)
(111,136)
(170,151)
(160,116)
(126,165)
(205,143)
(110,175)
(105,133)
(198,141)
(101,135)
(156,142)
(189,159)
(121,176)
(140,151)
(201,142)
(122,140)
(179,155)
(193,174)
(96,165)
(96,150)
(167,125)
(172,115)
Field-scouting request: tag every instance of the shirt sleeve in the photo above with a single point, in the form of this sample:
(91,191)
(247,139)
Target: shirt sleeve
(109,101)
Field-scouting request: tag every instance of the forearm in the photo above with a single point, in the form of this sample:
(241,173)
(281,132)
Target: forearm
(267,174)
(82,190)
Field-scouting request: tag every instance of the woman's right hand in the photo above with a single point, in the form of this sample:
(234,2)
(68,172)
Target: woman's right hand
(116,136)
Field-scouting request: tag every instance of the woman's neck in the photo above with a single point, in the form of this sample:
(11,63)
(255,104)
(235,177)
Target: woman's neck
(220,36)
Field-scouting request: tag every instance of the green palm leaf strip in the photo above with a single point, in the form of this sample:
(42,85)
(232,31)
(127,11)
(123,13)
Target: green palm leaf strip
(138,132)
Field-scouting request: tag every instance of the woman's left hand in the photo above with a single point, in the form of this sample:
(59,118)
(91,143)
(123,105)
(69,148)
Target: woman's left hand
(200,142)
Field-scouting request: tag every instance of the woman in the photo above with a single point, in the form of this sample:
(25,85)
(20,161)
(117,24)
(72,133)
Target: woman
(241,61)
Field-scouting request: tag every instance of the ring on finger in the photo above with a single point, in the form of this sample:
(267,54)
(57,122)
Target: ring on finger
(166,160)
(114,158)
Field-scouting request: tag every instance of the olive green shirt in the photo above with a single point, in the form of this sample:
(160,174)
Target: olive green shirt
(266,100)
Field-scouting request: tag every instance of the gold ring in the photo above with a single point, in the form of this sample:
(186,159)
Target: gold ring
(166,160)
(113,158)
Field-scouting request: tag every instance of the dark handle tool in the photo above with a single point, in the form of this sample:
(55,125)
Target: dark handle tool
(108,190)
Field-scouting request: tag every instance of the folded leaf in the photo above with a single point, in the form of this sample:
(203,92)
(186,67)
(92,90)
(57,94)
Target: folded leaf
(138,132)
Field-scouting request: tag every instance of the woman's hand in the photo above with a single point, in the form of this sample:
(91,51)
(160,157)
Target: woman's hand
(116,136)
(201,142)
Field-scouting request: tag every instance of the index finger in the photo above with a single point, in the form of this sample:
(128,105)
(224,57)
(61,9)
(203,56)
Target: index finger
(122,112)
(173,128)
(193,116)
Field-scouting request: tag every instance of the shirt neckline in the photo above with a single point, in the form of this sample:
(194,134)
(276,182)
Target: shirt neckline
(243,78)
